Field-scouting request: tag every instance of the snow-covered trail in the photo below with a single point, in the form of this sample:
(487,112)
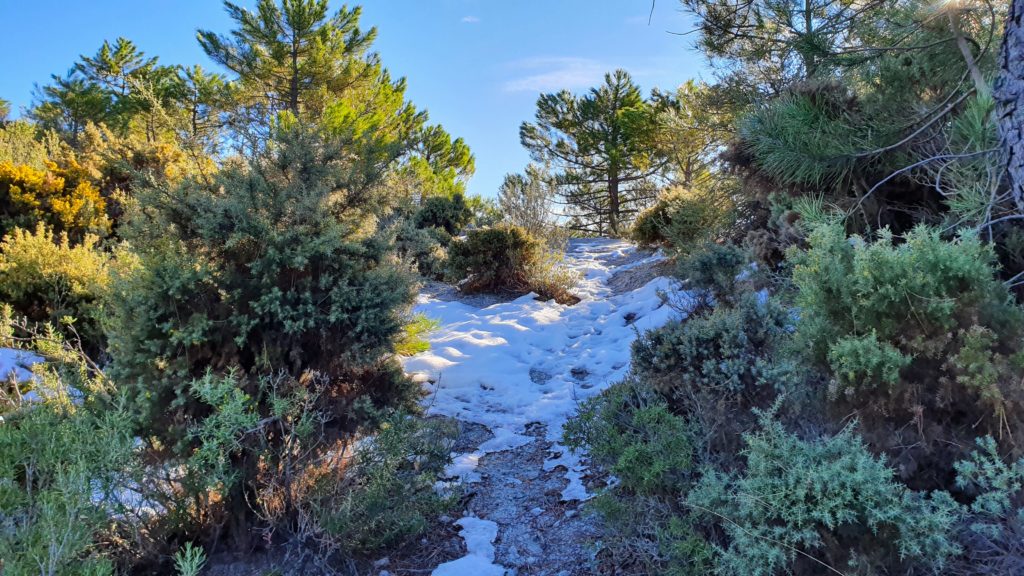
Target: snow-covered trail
(521,367)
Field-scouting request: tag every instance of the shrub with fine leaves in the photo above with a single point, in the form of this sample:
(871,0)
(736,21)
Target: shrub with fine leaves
(263,290)
(47,279)
(683,219)
(807,506)
(65,451)
(714,367)
(449,213)
(919,336)
(494,259)
(508,259)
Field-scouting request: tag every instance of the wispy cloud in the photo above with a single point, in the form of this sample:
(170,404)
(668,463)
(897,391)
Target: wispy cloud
(470,20)
(554,73)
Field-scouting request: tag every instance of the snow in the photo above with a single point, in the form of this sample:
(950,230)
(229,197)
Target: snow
(479,561)
(525,361)
(479,365)
(17,364)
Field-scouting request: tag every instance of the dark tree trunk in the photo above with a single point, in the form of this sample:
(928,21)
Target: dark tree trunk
(293,84)
(613,205)
(1009,97)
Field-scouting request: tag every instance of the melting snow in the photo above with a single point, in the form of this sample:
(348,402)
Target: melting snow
(479,561)
(17,364)
(514,363)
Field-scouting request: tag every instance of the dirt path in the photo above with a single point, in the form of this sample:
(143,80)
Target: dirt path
(511,373)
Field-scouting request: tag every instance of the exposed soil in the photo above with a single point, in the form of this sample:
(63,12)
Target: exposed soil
(632,278)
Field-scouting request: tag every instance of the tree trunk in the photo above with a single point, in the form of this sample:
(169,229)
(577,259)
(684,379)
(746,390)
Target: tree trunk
(980,85)
(613,205)
(293,84)
(1009,99)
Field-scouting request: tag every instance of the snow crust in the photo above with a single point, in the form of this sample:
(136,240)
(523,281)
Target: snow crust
(17,364)
(525,361)
(479,561)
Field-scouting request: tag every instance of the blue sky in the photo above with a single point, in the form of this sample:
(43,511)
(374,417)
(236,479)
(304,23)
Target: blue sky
(476,65)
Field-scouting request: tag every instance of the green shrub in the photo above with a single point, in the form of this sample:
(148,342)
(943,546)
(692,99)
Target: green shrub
(550,278)
(713,269)
(684,218)
(714,367)
(400,464)
(47,279)
(485,211)
(412,341)
(859,361)
(651,535)
(920,331)
(649,227)
(189,560)
(423,249)
(992,532)
(802,506)
(449,213)
(996,486)
(494,259)
(630,432)
(270,279)
(64,455)
(508,259)
(327,492)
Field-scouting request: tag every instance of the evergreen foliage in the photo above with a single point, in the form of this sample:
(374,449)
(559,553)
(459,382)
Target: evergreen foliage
(400,464)
(266,269)
(793,491)
(920,331)
(293,55)
(494,259)
(716,271)
(606,147)
(65,454)
(683,219)
(715,366)
(450,214)
(507,259)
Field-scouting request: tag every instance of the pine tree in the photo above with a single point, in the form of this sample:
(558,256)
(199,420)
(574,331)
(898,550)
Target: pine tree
(118,87)
(606,148)
(438,165)
(294,61)
(696,131)
(768,44)
(69,103)
(1009,97)
(204,103)
(116,66)
(293,55)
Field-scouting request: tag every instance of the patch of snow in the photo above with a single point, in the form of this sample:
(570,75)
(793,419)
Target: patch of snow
(17,364)
(479,560)
(479,365)
(463,466)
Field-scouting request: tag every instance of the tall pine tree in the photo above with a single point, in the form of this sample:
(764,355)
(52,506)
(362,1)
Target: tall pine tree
(294,55)
(606,149)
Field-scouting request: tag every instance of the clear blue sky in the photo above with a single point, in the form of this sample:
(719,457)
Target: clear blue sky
(476,65)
